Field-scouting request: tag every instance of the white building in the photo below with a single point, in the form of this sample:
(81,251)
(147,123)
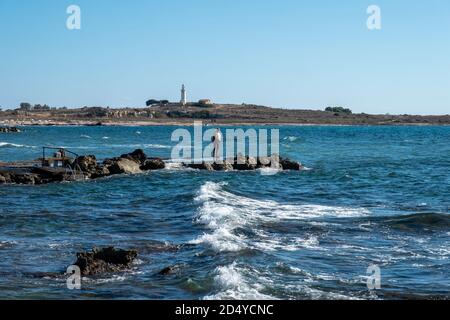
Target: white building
(183,95)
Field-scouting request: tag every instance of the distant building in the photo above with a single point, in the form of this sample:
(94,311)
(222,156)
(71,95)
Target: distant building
(183,95)
(204,102)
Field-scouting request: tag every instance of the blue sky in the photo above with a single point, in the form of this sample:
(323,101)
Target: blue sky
(283,53)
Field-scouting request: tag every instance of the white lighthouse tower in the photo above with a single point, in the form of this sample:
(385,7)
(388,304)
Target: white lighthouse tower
(183,96)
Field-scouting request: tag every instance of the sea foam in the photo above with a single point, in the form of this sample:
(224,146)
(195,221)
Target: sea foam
(225,215)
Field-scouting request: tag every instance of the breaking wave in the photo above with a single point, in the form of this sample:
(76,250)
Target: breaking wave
(291,138)
(238,223)
(14,145)
(230,218)
(231,283)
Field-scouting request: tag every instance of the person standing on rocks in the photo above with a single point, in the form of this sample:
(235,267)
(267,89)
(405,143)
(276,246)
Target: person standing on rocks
(217,139)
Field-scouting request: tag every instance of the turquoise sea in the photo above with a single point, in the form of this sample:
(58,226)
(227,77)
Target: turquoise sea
(371,196)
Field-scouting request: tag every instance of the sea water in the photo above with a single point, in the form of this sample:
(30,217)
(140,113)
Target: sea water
(372,196)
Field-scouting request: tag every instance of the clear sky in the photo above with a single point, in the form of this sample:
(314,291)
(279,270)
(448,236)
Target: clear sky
(284,53)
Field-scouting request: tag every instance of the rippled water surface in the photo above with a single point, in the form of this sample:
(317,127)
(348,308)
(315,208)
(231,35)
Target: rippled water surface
(371,196)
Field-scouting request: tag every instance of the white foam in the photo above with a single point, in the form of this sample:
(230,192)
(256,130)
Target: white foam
(224,213)
(157,146)
(291,138)
(114,278)
(173,166)
(6,244)
(222,239)
(143,145)
(14,145)
(233,285)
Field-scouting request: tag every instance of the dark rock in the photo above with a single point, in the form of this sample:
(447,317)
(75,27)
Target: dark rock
(105,260)
(244,163)
(153,164)
(27,178)
(169,270)
(46,175)
(100,172)
(52,275)
(10,130)
(248,163)
(200,166)
(223,166)
(287,164)
(137,155)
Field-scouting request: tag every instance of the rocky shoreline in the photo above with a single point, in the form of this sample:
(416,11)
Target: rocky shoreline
(87,167)
(10,130)
(83,168)
(214,113)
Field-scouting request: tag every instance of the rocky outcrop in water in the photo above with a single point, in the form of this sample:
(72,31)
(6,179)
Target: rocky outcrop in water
(170,270)
(133,163)
(9,130)
(241,163)
(86,167)
(105,260)
(287,164)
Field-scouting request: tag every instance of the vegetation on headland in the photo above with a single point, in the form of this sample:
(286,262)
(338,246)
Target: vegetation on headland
(162,111)
(338,110)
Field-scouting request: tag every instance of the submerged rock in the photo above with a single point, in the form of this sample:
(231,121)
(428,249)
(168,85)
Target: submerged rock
(105,260)
(169,270)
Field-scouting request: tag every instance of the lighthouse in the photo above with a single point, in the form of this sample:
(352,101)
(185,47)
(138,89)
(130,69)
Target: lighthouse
(183,95)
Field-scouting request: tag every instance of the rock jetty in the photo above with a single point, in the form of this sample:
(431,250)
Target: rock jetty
(9,130)
(88,167)
(247,163)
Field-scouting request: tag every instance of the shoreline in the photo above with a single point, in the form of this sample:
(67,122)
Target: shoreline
(208,124)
